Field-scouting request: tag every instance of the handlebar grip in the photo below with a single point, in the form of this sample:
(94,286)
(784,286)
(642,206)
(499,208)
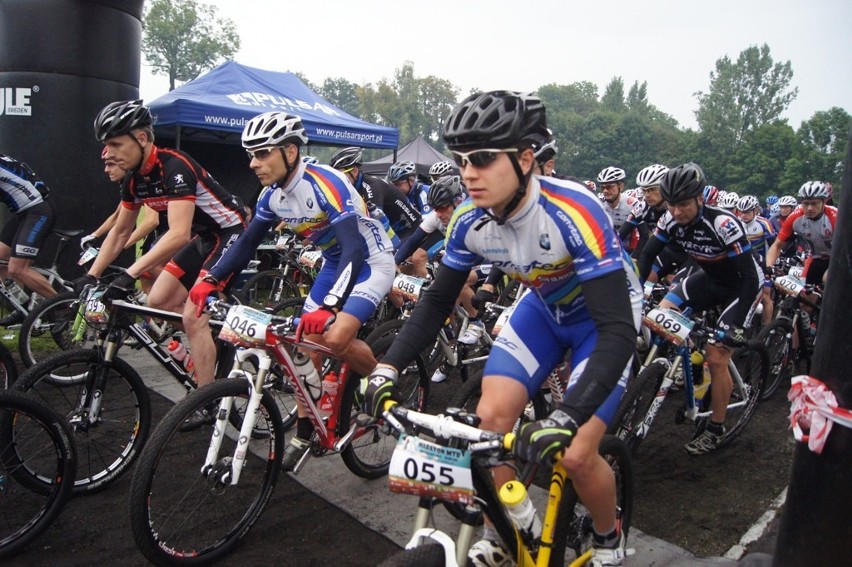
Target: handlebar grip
(509,441)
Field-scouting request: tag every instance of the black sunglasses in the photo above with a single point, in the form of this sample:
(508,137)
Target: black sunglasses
(480,158)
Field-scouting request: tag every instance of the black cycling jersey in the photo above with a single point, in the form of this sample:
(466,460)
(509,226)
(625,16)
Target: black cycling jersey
(403,217)
(170,175)
(20,187)
(644,223)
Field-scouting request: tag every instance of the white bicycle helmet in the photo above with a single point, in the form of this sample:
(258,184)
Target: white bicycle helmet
(440,169)
(729,200)
(401,170)
(651,175)
(611,175)
(272,129)
(748,203)
(813,190)
(787,201)
(775,210)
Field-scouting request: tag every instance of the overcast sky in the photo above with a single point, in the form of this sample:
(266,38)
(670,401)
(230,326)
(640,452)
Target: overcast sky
(521,45)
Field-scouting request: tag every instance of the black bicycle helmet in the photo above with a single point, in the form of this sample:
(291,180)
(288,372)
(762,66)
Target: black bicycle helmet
(346,158)
(683,182)
(496,119)
(120,117)
(448,190)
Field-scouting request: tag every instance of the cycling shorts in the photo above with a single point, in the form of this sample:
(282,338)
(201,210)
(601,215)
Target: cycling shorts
(699,292)
(374,282)
(815,269)
(25,232)
(531,344)
(194,260)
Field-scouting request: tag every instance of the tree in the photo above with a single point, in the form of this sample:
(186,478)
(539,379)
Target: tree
(183,38)
(613,97)
(341,93)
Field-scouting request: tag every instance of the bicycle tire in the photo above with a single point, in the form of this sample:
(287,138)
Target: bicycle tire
(36,444)
(8,368)
(752,362)
(108,447)
(431,355)
(369,452)
(53,317)
(574,524)
(776,338)
(267,289)
(633,408)
(428,555)
(181,515)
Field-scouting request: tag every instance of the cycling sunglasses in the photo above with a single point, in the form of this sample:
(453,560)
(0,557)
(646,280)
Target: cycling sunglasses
(260,153)
(480,158)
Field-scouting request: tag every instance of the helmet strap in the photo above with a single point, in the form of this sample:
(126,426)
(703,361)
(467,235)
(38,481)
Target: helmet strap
(524,180)
(289,167)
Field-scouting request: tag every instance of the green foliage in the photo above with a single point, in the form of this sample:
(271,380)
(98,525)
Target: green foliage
(183,38)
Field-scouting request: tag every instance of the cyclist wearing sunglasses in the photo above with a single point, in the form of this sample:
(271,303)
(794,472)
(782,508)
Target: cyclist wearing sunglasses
(319,204)
(555,237)
(403,175)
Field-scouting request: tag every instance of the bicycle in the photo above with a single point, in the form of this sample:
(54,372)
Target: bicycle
(101,396)
(8,368)
(37,466)
(196,513)
(15,299)
(790,337)
(458,471)
(677,346)
(292,275)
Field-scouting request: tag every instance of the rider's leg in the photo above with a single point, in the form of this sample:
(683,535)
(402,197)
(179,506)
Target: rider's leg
(721,383)
(20,270)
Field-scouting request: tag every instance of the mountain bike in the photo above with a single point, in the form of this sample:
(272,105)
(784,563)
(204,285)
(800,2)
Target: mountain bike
(292,274)
(456,469)
(101,396)
(37,466)
(8,368)
(790,337)
(195,495)
(677,349)
(16,302)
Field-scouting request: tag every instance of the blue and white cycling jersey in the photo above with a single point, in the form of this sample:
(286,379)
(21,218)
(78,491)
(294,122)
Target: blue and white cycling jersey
(20,187)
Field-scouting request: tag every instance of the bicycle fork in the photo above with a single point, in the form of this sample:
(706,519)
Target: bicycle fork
(232,475)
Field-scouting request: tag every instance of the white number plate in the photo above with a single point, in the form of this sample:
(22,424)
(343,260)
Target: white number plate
(426,469)
(90,254)
(670,324)
(648,288)
(309,258)
(501,320)
(96,311)
(790,285)
(245,326)
(796,271)
(407,287)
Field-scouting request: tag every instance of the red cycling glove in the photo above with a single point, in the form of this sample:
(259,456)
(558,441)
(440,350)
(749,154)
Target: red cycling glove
(314,323)
(199,294)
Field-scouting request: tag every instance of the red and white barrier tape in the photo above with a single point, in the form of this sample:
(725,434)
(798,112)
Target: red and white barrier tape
(814,411)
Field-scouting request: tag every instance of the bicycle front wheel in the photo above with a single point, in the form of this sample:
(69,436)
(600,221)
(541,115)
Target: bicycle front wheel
(53,323)
(633,409)
(574,523)
(8,368)
(267,289)
(752,363)
(777,337)
(183,513)
(35,451)
(109,441)
(369,452)
(426,555)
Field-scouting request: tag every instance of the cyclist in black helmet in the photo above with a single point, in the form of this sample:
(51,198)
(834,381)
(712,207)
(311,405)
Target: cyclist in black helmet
(554,236)
(730,276)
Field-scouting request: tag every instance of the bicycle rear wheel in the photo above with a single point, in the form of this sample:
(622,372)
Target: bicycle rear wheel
(574,523)
(50,325)
(777,337)
(36,446)
(184,514)
(108,444)
(8,368)
(369,452)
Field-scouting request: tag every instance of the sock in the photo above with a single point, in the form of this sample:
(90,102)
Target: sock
(715,428)
(609,540)
(304,428)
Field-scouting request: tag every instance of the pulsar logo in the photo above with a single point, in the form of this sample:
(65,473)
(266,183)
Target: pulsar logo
(179,179)
(267,100)
(16,101)
(544,241)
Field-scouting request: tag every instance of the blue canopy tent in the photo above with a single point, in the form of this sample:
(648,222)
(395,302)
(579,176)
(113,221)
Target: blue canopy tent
(216,106)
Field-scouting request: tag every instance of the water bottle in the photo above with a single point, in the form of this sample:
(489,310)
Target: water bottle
(189,365)
(700,375)
(514,496)
(307,371)
(329,394)
(177,350)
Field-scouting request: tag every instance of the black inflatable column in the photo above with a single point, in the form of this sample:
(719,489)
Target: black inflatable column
(61,61)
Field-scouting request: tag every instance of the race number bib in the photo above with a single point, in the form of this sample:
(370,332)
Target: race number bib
(90,254)
(245,327)
(309,258)
(96,311)
(669,324)
(790,285)
(407,287)
(427,469)
(501,320)
(796,271)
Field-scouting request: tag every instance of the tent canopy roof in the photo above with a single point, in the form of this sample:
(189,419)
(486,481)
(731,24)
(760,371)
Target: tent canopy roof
(216,106)
(417,150)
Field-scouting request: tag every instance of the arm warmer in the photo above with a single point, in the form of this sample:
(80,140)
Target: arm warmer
(238,256)
(351,256)
(608,302)
(646,258)
(427,318)
(409,245)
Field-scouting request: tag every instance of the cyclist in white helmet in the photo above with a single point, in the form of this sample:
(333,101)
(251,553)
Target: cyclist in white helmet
(440,169)
(617,206)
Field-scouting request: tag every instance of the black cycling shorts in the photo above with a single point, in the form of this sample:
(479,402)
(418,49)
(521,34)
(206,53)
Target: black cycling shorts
(26,231)
(815,269)
(699,292)
(194,260)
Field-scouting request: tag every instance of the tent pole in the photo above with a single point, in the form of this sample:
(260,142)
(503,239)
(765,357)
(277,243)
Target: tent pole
(177,137)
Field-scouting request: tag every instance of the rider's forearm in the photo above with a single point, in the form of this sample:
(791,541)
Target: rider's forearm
(110,249)
(161,253)
(774,252)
